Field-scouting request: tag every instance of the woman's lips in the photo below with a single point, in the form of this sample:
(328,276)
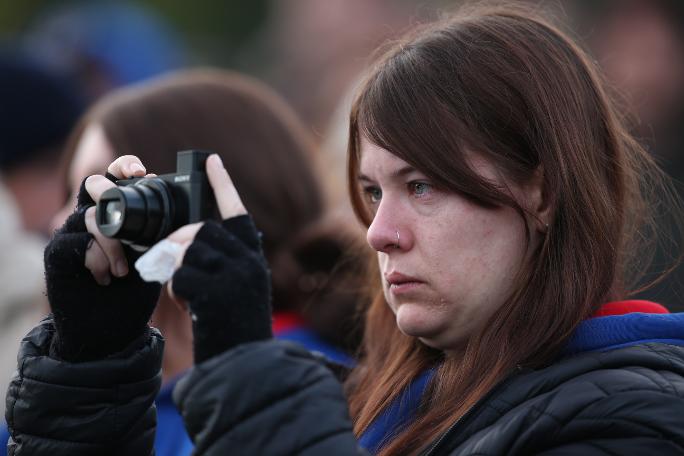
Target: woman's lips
(401,283)
(403,288)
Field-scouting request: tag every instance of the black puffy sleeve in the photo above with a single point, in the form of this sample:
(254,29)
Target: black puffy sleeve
(103,407)
(269,397)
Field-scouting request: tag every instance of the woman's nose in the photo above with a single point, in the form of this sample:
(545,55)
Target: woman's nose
(384,233)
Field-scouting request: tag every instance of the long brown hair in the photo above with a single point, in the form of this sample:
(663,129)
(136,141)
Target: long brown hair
(506,83)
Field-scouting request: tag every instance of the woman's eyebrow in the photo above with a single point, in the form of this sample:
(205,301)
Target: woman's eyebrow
(403,171)
(400,172)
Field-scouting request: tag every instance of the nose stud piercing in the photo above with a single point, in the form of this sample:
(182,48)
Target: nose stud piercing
(397,244)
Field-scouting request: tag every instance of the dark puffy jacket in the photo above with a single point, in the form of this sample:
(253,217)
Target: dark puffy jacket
(103,407)
(275,398)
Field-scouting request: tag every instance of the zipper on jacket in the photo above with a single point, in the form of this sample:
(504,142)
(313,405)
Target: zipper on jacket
(429,451)
(470,412)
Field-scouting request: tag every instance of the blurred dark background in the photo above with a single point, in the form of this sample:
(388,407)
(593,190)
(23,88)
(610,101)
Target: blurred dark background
(312,50)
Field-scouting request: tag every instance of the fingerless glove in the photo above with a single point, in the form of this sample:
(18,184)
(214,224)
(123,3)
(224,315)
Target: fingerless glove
(92,321)
(226,281)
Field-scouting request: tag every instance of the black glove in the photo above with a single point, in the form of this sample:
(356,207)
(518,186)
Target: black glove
(92,321)
(226,281)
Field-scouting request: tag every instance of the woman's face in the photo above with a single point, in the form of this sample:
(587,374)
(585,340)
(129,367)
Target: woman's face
(93,155)
(446,263)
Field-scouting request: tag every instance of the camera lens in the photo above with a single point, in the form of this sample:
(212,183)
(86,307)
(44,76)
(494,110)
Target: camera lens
(113,212)
(141,213)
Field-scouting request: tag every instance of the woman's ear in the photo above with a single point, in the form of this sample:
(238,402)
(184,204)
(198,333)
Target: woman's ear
(538,201)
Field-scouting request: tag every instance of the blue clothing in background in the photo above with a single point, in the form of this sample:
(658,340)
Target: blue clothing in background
(4,438)
(306,337)
(171,438)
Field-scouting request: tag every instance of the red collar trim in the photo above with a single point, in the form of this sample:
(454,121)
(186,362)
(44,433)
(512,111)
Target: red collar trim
(284,321)
(630,306)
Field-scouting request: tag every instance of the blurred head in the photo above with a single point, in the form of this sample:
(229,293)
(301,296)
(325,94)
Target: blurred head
(267,152)
(640,47)
(37,112)
(500,191)
(263,146)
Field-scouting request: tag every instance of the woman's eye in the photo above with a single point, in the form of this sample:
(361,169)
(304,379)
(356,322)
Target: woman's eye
(373,194)
(420,189)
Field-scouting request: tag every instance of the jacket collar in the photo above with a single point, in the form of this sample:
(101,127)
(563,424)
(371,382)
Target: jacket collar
(626,323)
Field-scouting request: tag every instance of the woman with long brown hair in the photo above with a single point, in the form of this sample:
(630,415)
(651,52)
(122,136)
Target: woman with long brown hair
(507,205)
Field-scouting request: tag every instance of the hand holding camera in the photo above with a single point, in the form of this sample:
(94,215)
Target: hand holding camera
(223,276)
(92,320)
(105,256)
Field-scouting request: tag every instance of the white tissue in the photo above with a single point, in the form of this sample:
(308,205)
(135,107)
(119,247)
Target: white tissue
(159,263)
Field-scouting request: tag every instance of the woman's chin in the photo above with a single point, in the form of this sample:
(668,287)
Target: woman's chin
(417,321)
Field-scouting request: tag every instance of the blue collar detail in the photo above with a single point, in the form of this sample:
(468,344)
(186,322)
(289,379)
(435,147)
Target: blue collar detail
(617,331)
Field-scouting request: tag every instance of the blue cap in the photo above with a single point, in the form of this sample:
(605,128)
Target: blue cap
(37,112)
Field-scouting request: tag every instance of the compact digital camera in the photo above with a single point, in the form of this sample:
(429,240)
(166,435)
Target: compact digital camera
(142,211)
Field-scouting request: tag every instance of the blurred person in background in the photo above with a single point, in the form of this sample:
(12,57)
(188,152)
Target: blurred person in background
(22,289)
(104,44)
(37,112)
(270,155)
(640,46)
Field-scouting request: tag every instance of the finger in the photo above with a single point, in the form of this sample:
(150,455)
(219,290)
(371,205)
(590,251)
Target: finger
(97,263)
(227,198)
(150,175)
(126,166)
(96,185)
(112,248)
